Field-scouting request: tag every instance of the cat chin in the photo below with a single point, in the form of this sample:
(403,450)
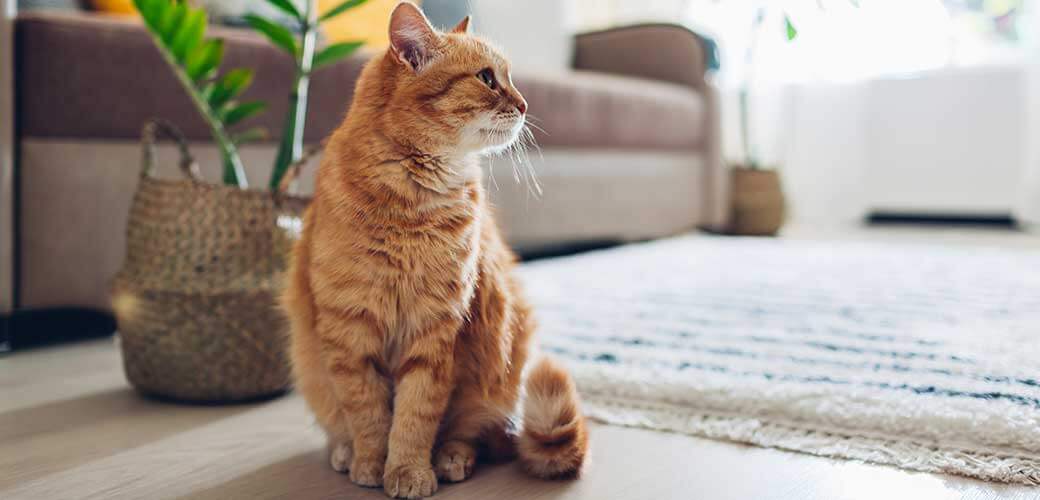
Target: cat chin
(495,149)
(499,144)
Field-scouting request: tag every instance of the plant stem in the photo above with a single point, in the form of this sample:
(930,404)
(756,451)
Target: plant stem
(291,148)
(745,89)
(744,125)
(234,174)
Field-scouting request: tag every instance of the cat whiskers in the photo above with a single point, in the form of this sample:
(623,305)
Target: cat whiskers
(524,142)
(532,121)
(528,141)
(517,151)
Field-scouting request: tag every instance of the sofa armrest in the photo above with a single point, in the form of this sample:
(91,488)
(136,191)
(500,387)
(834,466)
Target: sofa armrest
(7,174)
(664,52)
(669,53)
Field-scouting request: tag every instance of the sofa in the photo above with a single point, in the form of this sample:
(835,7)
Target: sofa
(630,148)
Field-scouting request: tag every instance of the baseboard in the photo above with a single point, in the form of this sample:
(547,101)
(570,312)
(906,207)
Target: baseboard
(945,219)
(39,328)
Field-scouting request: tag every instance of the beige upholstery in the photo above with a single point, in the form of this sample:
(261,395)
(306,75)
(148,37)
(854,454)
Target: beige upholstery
(74,214)
(102,78)
(584,109)
(124,82)
(662,52)
(7,204)
(672,54)
(624,158)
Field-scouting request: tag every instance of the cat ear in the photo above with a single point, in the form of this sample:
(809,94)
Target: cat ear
(462,27)
(412,39)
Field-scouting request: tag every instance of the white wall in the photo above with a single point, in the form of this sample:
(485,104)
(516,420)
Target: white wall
(534,34)
(936,142)
(815,135)
(1028,206)
(946,141)
(1027,210)
(826,161)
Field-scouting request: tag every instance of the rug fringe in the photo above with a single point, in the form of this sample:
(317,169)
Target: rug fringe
(899,453)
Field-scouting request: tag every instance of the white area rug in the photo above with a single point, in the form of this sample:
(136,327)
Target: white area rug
(923,357)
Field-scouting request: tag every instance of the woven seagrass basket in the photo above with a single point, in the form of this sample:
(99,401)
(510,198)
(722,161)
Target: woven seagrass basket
(758,202)
(195,300)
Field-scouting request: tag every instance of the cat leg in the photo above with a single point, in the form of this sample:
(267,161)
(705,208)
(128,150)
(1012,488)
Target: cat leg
(351,347)
(423,387)
(313,383)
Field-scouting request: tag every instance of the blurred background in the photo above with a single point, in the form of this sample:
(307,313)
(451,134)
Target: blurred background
(920,107)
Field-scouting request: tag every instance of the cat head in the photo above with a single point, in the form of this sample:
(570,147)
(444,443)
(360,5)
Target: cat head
(449,91)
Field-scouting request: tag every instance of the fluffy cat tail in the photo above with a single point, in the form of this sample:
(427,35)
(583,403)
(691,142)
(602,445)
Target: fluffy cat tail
(554,439)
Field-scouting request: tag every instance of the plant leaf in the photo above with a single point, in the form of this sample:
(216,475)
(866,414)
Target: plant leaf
(151,11)
(229,86)
(170,18)
(240,112)
(189,33)
(278,34)
(335,52)
(250,135)
(288,7)
(202,61)
(339,9)
(791,31)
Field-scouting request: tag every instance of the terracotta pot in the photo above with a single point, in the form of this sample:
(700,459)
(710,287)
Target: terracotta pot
(758,202)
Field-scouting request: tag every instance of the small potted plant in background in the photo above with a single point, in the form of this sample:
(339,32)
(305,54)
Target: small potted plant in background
(195,298)
(758,201)
(758,204)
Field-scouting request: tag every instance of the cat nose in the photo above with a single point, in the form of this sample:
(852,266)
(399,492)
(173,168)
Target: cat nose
(521,105)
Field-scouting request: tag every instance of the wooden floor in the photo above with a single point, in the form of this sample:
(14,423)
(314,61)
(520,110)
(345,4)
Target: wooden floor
(71,428)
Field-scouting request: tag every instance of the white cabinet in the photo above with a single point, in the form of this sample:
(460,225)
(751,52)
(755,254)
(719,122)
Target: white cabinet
(946,142)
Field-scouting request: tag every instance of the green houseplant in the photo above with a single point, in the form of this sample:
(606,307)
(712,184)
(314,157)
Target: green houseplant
(758,204)
(302,49)
(178,31)
(758,201)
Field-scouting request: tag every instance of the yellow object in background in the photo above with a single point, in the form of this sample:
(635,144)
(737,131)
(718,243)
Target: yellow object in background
(114,6)
(366,23)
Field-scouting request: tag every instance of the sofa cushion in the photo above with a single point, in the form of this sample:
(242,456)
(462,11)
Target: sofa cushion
(85,76)
(582,109)
(92,77)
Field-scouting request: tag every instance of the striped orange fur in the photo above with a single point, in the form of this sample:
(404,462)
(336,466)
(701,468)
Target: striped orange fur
(409,330)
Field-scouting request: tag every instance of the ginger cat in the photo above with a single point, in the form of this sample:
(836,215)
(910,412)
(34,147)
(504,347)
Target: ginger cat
(409,331)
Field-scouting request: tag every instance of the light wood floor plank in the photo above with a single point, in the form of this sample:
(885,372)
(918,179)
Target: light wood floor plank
(111,443)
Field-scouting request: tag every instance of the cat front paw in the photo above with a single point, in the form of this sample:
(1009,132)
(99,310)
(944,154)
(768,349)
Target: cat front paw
(410,481)
(366,472)
(454,461)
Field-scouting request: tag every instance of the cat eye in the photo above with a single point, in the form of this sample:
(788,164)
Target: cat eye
(487,76)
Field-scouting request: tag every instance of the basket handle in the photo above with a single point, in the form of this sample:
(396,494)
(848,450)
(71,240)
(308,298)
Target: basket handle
(149,136)
(288,183)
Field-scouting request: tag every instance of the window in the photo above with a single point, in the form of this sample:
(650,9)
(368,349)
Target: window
(836,39)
